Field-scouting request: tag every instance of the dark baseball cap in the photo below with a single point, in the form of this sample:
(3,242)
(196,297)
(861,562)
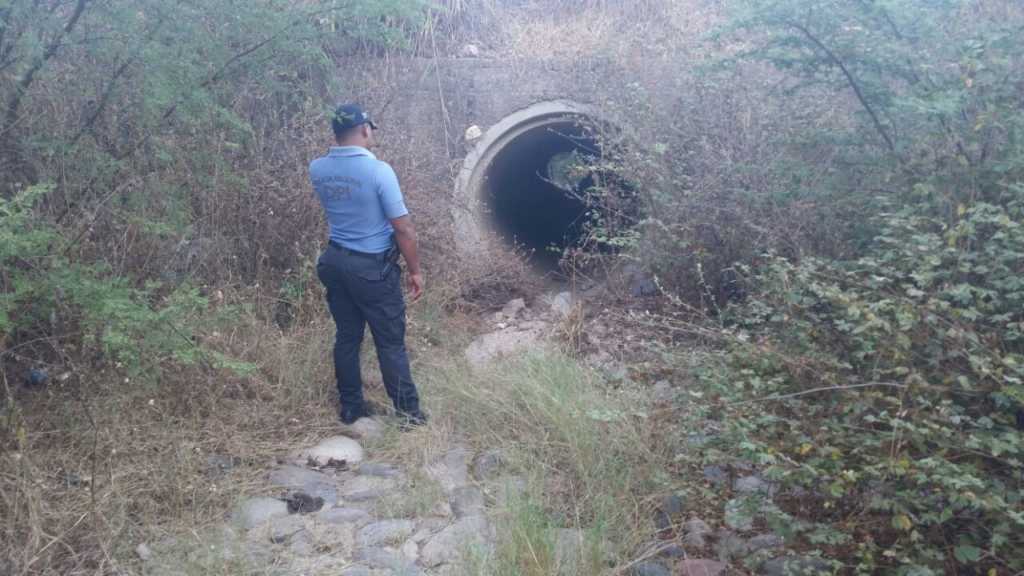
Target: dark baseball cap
(349,116)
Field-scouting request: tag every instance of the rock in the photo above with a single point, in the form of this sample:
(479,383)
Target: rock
(363,488)
(500,344)
(695,531)
(379,469)
(716,475)
(467,501)
(648,568)
(451,470)
(411,550)
(282,531)
(339,448)
(487,464)
(797,566)
(562,304)
(701,567)
(469,51)
(256,511)
(387,559)
(473,132)
(367,429)
(513,308)
(448,544)
(144,552)
(313,483)
(343,516)
(753,485)
(765,542)
(384,532)
(670,508)
(730,545)
(428,528)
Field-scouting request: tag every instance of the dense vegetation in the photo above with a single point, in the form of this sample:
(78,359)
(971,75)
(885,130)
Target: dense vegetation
(833,210)
(861,249)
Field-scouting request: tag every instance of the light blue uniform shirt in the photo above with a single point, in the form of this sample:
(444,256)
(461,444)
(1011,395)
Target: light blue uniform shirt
(360,196)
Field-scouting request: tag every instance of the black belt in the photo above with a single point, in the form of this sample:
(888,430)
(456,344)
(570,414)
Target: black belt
(350,252)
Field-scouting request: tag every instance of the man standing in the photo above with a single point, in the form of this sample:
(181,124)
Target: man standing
(367,218)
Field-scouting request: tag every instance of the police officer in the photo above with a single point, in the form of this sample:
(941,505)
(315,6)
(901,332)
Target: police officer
(369,226)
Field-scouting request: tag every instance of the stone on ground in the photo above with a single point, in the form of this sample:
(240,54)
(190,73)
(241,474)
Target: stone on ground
(449,544)
(694,532)
(451,470)
(282,530)
(701,567)
(311,482)
(338,448)
(467,501)
(343,515)
(256,511)
(385,532)
(363,488)
(502,343)
(367,428)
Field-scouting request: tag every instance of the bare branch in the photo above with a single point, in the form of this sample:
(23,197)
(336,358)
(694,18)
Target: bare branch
(854,84)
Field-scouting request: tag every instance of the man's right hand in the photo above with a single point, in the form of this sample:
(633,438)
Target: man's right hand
(415,286)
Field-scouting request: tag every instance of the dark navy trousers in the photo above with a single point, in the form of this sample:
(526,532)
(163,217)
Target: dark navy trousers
(362,289)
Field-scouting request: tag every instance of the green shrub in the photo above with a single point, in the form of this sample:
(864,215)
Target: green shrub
(881,394)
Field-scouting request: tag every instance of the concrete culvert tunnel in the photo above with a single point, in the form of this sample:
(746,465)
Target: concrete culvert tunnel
(527,177)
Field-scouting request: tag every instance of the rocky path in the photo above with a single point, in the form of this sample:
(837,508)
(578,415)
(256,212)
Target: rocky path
(342,512)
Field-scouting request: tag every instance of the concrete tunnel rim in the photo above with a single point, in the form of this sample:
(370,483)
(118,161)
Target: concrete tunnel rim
(470,219)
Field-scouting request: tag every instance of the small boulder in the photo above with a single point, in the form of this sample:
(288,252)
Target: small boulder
(701,567)
(385,532)
(451,470)
(343,516)
(256,511)
(448,544)
(473,132)
(367,429)
(695,531)
(467,501)
(363,488)
(337,448)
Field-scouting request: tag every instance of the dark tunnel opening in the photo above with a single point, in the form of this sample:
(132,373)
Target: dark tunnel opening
(527,205)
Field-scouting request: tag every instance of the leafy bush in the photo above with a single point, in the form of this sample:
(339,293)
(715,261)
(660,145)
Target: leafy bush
(884,394)
(46,296)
